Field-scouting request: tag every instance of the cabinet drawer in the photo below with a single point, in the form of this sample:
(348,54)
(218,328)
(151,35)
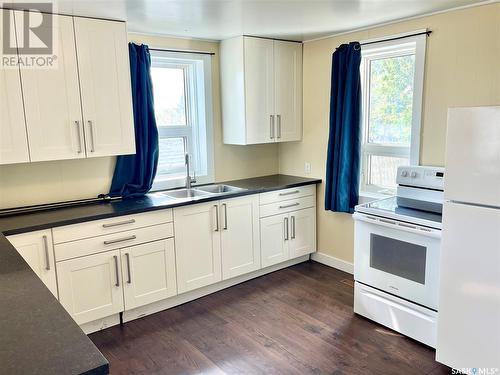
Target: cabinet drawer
(287,206)
(69,250)
(285,194)
(111,225)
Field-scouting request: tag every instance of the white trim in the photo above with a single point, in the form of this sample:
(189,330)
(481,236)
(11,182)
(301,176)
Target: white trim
(184,297)
(331,261)
(382,24)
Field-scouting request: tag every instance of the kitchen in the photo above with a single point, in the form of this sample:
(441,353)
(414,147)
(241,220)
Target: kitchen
(250,249)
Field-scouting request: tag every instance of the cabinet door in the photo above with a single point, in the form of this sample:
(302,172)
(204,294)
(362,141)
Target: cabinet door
(288,89)
(302,232)
(90,287)
(274,238)
(13,139)
(103,64)
(148,272)
(240,236)
(37,250)
(52,101)
(259,90)
(197,246)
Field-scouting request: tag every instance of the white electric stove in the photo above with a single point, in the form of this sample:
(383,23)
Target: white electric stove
(396,255)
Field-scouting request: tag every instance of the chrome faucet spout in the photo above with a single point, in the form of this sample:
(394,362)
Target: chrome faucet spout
(189,180)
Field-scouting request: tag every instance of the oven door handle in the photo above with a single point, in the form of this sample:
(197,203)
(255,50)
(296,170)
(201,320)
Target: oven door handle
(395,224)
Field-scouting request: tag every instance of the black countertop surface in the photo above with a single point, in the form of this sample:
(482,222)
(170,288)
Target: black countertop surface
(31,221)
(37,335)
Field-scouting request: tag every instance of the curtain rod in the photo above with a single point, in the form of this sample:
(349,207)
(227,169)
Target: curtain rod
(428,32)
(181,51)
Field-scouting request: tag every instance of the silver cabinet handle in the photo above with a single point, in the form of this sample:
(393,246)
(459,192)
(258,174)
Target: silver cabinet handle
(116,270)
(79,138)
(290,205)
(293,227)
(109,225)
(216,218)
(286,228)
(109,242)
(289,193)
(279,125)
(127,257)
(91,130)
(271,125)
(46,249)
(225,215)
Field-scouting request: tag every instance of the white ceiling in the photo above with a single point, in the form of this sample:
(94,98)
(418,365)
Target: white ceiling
(220,19)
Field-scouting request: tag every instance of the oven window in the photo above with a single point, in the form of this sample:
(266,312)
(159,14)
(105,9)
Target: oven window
(399,258)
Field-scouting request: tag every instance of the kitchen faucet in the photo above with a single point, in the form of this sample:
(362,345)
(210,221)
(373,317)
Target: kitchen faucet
(189,180)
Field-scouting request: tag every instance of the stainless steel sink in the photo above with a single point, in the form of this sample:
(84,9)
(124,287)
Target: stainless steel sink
(219,189)
(185,193)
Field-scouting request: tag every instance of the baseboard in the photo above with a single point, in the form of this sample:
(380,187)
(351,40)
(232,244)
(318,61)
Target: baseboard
(333,262)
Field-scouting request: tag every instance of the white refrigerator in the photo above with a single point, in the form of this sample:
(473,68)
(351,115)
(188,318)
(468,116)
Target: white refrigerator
(469,295)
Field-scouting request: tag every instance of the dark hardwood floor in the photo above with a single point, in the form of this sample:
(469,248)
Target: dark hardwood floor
(294,321)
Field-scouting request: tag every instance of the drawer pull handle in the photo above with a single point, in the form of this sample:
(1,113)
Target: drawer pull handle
(46,248)
(127,256)
(109,242)
(116,270)
(225,215)
(216,218)
(289,193)
(109,225)
(286,228)
(290,205)
(293,227)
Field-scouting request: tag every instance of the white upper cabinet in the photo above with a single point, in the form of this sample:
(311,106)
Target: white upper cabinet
(81,108)
(288,88)
(259,89)
(52,100)
(13,140)
(261,83)
(105,86)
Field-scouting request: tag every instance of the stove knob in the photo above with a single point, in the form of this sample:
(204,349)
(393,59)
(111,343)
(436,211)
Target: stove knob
(404,173)
(413,174)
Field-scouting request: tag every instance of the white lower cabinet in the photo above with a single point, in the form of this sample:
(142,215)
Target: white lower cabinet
(197,246)
(288,236)
(148,273)
(240,238)
(302,232)
(273,234)
(37,250)
(90,287)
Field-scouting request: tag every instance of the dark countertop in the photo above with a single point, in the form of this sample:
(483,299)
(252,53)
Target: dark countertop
(38,335)
(27,222)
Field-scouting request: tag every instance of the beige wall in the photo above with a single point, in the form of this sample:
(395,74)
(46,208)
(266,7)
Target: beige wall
(462,69)
(43,182)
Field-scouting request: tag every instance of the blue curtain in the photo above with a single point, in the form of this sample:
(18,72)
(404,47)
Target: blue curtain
(344,143)
(134,174)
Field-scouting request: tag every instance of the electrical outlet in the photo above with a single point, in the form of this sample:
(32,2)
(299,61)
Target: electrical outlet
(307,167)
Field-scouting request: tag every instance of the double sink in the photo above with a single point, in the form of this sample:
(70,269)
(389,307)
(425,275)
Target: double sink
(202,191)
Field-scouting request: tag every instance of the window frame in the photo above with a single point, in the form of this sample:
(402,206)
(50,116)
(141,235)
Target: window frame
(198,131)
(392,48)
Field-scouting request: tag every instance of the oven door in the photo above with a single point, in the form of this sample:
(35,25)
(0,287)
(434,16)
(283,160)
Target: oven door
(397,257)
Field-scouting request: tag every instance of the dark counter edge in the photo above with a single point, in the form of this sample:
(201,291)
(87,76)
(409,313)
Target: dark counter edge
(301,181)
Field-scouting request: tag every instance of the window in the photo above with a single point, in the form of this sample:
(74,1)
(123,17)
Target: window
(392,82)
(182,93)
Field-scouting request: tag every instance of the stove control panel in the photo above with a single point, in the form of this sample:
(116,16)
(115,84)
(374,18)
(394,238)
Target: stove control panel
(421,176)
